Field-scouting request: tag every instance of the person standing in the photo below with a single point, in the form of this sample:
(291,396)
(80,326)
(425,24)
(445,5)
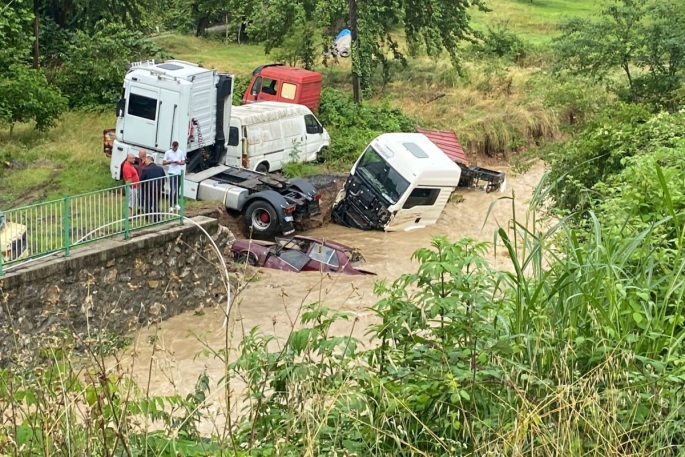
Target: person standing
(153,182)
(142,163)
(130,175)
(175,159)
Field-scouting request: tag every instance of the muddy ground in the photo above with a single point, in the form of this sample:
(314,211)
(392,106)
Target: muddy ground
(328,186)
(274,300)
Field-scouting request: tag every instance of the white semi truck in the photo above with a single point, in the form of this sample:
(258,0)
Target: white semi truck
(180,101)
(402,181)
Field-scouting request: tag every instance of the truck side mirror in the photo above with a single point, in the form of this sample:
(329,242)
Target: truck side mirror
(320,129)
(121,106)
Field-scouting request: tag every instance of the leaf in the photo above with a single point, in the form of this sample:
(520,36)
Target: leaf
(465,395)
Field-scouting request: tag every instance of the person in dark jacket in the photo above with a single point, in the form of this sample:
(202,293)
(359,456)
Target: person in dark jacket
(152,189)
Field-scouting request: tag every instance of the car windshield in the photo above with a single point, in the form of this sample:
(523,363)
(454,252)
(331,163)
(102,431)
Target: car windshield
(324,254)
(295,259)
(381,176)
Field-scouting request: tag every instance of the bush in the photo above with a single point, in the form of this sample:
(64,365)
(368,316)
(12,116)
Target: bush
(353,126)
(26,96)
(499,41)
(601,148)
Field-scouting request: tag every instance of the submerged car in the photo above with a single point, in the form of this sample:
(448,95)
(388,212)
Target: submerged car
(299,253)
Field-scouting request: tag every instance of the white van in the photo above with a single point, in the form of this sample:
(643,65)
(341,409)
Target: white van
(264,136)
(402,181)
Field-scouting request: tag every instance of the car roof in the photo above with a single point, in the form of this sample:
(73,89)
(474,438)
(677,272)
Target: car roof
(292,74)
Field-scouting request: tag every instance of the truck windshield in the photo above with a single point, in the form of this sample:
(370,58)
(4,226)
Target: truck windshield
(381,176)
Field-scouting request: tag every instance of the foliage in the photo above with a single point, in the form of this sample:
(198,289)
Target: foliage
(15,21)
(93,67)
(574,98)
(26,96)
(630,35)
(353,126)
(600,149)
(499,41)
(299,46)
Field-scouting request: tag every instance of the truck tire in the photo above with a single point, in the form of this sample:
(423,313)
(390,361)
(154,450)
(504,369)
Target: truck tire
(262,218)
(262,168)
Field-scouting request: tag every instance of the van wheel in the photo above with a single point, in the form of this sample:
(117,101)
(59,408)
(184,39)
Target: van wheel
(262,218)
(262,168)
(321,156)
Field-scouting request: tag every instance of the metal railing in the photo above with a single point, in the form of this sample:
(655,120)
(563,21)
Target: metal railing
(39,230)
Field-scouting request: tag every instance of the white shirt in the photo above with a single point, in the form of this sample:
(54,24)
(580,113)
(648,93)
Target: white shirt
(171,155)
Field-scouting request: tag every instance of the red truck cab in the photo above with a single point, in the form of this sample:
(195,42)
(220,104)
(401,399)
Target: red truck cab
(278,83)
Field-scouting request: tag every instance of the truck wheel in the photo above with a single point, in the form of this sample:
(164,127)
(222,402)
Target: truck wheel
(262,217)
(262,168)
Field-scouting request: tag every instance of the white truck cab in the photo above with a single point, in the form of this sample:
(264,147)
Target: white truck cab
(171,101)
(402,181)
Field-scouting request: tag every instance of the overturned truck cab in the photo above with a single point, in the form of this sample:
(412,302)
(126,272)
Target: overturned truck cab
(401,182)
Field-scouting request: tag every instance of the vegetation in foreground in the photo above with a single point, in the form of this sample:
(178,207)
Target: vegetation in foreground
(576,352)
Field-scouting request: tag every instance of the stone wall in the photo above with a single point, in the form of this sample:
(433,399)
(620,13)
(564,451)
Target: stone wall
(115,285)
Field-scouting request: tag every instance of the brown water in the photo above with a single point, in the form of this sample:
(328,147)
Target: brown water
(272,302)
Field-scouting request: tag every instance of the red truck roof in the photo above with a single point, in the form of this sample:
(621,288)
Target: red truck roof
(295,75)
(447,142)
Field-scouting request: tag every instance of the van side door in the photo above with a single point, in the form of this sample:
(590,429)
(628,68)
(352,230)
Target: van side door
(269,90)
(313,138)
(234,147)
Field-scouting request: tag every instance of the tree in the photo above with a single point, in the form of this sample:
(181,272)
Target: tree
(630,35)
(26,96)
(598,47)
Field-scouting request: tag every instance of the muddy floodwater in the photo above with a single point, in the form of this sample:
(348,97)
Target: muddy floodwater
(273,301)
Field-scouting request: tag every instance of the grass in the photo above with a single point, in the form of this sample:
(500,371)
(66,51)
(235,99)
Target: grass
(534,20)
(65,161)
(237,59)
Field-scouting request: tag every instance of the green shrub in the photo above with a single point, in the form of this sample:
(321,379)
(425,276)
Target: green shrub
(600,149)
(353,126)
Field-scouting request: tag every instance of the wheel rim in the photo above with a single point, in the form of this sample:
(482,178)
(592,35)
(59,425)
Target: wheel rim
(261,219)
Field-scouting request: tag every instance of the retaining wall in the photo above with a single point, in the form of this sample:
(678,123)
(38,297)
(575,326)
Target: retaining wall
(114,285)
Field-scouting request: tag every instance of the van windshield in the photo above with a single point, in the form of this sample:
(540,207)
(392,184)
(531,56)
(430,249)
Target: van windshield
(381,176)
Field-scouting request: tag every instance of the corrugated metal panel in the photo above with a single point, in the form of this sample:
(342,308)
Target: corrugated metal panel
(447,142)
(203,106)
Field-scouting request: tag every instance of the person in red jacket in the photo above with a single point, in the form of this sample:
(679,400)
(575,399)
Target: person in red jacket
(130,175)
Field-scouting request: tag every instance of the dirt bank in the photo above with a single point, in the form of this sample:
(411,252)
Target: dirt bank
(272,303)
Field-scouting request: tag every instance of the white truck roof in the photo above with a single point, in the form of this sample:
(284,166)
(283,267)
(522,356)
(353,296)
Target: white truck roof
(414,156)
(178,69)
(257,113)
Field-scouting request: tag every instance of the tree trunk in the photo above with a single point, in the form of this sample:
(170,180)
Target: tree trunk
(36,49)
(626,68)
(356,89)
